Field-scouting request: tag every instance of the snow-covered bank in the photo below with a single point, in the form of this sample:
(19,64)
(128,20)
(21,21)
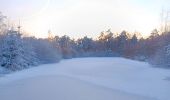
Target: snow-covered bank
(88,79)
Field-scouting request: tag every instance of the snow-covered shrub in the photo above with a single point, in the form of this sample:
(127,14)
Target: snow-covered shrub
(46,51)
(162,57)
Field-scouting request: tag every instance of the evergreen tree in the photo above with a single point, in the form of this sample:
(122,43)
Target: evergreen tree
(134,40)
(122,40)
(14,53)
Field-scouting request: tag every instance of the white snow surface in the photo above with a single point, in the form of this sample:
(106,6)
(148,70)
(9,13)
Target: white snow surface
(88,79)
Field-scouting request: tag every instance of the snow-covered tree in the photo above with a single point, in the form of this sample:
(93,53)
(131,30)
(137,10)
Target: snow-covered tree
(2,23)
(29,52)
(154,34)
(86,47)
(14,53)
(86,44)
(106,44)
(122,41)
(134,40)
(66,45)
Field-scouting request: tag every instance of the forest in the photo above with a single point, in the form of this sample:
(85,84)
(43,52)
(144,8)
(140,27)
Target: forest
(18,52)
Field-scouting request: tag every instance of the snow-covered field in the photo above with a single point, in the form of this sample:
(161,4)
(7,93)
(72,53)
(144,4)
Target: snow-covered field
(88,79)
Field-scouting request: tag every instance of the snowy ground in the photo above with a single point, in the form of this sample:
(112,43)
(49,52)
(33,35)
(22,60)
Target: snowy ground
(88,79)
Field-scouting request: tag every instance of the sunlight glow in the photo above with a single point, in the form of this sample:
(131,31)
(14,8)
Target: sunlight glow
(78,18)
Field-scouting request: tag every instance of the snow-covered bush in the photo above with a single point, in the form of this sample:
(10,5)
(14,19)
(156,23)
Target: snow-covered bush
(162,57)
(46,51)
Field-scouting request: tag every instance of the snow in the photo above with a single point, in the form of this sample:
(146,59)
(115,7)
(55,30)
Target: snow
(3,71)
(88,79)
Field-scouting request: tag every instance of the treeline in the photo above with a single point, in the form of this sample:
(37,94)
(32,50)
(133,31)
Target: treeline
(153,48)
(18,52)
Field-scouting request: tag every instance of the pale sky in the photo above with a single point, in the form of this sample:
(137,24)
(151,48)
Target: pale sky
(78,18)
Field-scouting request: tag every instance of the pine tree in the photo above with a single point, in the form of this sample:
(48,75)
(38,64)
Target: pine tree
(14,52)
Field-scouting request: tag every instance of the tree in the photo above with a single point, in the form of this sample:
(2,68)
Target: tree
(14,52)
(154,34)
(85,46)
(66,46)
(131,47)
(2,23)
(109,39)
(134,40)
(122,40)
(106,42)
